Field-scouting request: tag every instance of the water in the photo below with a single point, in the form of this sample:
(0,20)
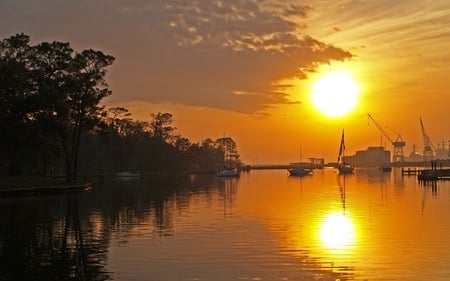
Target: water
(262,226)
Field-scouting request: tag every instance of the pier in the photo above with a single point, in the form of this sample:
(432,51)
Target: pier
(284,166)
(313,163)
(268,167)
(433,174)
(410,171)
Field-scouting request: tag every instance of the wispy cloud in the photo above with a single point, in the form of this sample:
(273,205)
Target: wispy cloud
(192,52)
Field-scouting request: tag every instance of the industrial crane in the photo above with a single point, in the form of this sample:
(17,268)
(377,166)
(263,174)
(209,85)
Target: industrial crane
(398,144)
(428,146)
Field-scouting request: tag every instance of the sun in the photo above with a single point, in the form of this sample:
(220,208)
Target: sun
(335,94)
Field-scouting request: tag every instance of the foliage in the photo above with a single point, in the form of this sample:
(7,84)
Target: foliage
(53,89)
(52,118)
(161,125)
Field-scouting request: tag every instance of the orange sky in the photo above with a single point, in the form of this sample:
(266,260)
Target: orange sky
(245,68)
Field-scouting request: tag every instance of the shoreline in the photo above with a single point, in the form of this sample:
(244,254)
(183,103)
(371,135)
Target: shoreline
(32,185)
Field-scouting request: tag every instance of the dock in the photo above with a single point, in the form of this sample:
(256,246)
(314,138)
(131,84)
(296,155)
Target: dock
(433,174)
(410,171)
(313,163)
(50,189)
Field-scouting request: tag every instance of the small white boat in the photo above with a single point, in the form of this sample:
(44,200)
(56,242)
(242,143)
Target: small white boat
(299,172)
(128,174)
(229,173)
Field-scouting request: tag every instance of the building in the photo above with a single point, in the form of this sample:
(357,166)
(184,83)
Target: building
(373,156)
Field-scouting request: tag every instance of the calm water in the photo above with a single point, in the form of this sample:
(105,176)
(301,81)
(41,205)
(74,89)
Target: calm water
(262,226)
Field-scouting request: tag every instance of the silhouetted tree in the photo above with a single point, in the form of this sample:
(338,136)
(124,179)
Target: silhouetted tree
(161,125)
(73,87)
(53,91)
(17,98)
(50,98)
(228,147)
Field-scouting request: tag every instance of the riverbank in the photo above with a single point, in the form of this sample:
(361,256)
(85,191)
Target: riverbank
(27,185)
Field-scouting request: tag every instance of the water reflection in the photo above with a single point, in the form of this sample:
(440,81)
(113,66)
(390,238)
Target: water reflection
(337,229)
(337,232)
(262,226)
(44,241)
(228,188)
(65,237)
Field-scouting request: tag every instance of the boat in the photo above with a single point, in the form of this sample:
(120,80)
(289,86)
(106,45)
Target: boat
(229,167)
(387,167)
(128,174)
(300,172)
(229,172)
(343,168)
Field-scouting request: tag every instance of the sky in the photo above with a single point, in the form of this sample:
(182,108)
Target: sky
(246,68)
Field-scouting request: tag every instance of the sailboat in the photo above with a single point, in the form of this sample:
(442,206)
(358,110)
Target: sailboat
(344,168)
(300,171)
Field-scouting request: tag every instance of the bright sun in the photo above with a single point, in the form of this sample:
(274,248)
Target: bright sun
(335,93)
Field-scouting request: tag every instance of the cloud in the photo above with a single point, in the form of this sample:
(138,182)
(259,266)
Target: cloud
(198,53)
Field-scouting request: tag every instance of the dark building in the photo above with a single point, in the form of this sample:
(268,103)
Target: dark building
(373,156)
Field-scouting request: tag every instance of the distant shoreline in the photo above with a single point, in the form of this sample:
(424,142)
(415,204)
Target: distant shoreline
(30,185)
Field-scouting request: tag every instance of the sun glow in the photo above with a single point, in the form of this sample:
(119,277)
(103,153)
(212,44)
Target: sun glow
(335,94)
(337,231)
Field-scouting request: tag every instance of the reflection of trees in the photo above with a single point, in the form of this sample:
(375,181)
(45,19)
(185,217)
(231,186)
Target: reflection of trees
(38,246)
(228,191)
(66,237)
(154,201)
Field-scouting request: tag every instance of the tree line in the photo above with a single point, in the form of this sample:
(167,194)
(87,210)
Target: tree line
(52,121)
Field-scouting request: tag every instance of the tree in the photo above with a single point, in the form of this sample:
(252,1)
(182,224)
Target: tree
(228,147)
(85,88)
(15,89)
(161,126)
(63,92)
(182,144)
(50,98)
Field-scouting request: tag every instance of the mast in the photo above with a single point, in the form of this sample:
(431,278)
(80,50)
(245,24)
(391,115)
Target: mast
(341,148)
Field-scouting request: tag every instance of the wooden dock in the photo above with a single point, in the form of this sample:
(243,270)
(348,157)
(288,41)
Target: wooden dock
(48,189)
(410,171)
(433,174)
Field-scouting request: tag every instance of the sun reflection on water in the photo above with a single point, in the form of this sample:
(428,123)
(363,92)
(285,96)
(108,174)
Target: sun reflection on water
(337,232)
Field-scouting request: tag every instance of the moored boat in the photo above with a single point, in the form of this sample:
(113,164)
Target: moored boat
(299,172)
(227,172)
(386,167)
(128,174)
(343,168)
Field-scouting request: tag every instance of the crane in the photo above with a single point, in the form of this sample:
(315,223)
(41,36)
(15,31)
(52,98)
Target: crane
(398,144)
(428,146)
